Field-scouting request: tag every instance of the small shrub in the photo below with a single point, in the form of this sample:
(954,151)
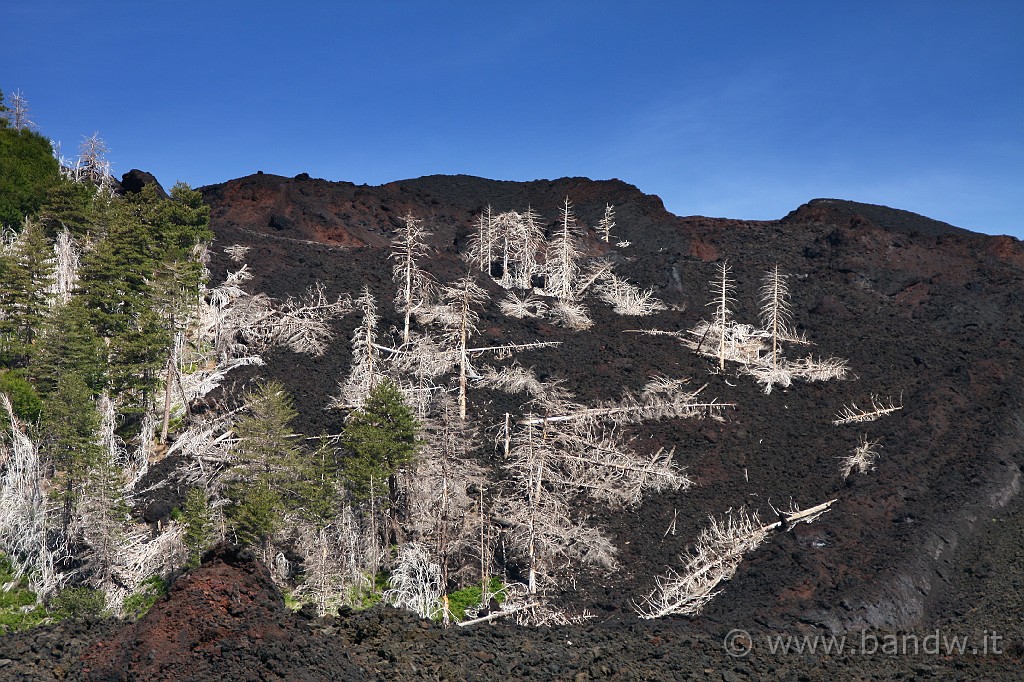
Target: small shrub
(361,597)
(142,600)
(24,399)
(78,602)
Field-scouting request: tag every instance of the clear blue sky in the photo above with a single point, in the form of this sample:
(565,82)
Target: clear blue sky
(734,109)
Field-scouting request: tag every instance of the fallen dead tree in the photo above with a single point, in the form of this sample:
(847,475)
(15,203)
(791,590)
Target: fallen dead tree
(714,558)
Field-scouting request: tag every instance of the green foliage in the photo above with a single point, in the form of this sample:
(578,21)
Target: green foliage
(381,438)
(268,456)
(17,618)
(136,357)
(68,344)
(69,425)
(469,597)
(276,476)
(27,171)
(26,272)
(198,522)
(290,602)
(18,595)
(316,488)
(72,206)
(19,609)
(79,602)
(24,399)
(113,280)
(151,589)
(186,222)
(256,512)
(365,597)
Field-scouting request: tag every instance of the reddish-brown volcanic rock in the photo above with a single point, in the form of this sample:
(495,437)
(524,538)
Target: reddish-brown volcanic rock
(229,604)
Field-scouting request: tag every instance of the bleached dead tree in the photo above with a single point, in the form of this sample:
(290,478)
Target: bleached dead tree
(366,371)
(570,314)
(101,515)
(607,223)
(524,248)
(522,306)
(142,557)
(66,255)
(19,114)
(514,239)
(414,284)
(723,287)
(626,298)
(230,327)
(359,549)
(505,229)
(756,349)
(239,323)
(537,514)
(563,257)
(480,250)
(458,318)
(236,252)
(531,248)
(862,459)
(324,568)
(92,165)
(462,296)
(441,508)
(26,511)
(300,324)
(776,313)
(660,399)
(415,582)
(851,414)
(514,378)
(714,558)
(575,451)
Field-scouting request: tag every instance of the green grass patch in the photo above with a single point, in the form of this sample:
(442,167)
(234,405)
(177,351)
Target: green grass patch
(18,607)
(469,597)
(151,589)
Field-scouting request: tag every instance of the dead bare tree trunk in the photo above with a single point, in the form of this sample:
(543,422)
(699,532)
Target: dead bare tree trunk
(167,402)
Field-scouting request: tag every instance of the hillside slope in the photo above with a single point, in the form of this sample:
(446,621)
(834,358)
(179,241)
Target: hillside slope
(926,314)
(921,310)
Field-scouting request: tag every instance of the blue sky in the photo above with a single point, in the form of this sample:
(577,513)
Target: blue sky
(733,109)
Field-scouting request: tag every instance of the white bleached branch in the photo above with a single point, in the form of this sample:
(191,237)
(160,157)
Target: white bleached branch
(851,414)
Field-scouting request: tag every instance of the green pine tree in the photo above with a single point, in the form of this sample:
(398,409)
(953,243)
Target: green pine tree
(113,280)
(69,345)
(27,273)
(136,357)
(27,171)
(380,439)
(69,427)
(72,206)
(198,520)
(268,456)
(316,490)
